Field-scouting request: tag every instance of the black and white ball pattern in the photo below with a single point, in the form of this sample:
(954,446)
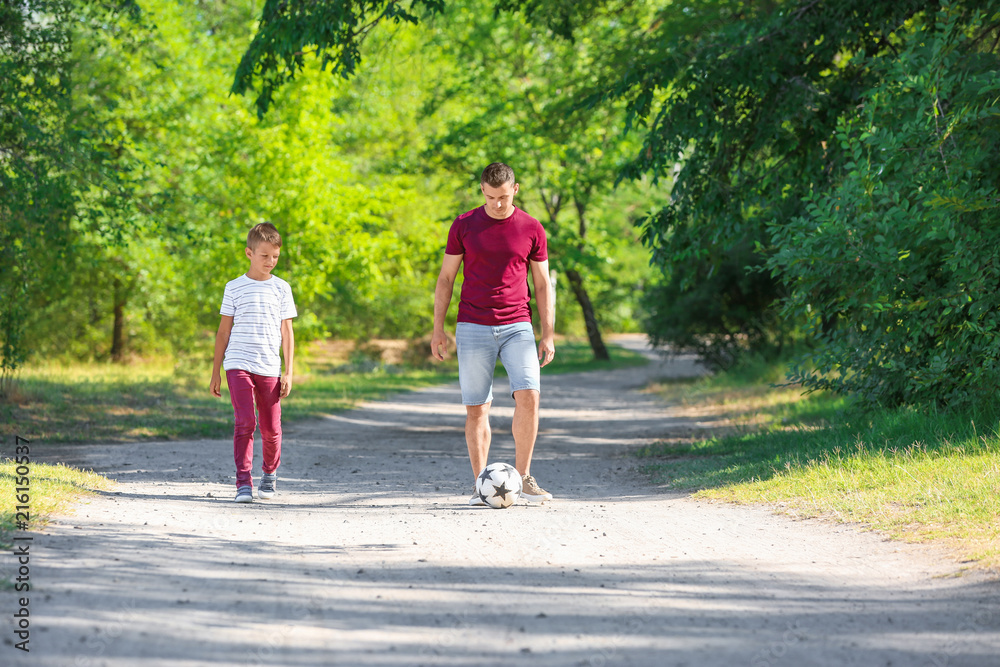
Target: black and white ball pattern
(499,485)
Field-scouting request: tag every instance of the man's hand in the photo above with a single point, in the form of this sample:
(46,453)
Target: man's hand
(439,345)
(286,386)
(546,350)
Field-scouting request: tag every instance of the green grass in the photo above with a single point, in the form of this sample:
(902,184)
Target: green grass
(110,403)
(914,474)
(50,489)
(170,400)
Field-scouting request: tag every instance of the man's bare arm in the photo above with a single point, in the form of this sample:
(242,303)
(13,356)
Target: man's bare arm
(546,310)
(442,299)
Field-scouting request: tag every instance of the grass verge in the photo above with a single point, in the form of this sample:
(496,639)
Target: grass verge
(50,489)
(917,475)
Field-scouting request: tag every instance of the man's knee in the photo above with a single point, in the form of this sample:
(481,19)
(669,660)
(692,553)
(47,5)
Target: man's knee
(477,411)
(527,399)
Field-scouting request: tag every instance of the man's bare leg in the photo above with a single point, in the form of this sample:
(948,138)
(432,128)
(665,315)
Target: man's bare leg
(525,428)
(477,436)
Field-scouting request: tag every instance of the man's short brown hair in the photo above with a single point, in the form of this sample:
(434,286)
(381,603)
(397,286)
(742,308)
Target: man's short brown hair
(266,232)
(496,175)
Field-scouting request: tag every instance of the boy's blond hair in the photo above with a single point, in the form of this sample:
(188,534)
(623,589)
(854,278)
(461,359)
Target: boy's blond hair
(263,232)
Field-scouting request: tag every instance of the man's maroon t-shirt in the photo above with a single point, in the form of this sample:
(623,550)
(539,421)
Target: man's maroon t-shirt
(496,255)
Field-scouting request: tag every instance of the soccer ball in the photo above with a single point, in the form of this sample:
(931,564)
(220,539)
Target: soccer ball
(499,485)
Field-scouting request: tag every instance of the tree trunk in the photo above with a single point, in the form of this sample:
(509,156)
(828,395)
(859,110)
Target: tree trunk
(118,330)
(580,291)
(593,332)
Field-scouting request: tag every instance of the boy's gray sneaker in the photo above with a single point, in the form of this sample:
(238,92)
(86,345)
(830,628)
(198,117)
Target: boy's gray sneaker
(268,485)
(476,500)
(531,492)
(244,494)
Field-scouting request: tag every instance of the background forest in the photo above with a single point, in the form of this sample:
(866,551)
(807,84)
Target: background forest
(744,179)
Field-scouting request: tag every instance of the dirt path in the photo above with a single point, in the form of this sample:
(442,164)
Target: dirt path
(369,556)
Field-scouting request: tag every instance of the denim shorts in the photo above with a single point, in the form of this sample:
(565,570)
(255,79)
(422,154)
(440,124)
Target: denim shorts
(479,346)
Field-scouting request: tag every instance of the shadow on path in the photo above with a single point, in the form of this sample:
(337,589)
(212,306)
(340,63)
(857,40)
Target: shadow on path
(370,556)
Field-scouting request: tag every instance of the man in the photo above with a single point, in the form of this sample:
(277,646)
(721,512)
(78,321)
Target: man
(499,245)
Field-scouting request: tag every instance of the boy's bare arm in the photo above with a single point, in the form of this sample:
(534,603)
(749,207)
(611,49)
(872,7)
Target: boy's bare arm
(221,342)
(288,349)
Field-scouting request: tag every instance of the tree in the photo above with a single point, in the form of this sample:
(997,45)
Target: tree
(332,30)
(570,155)
(739,99)
(897,261)
(850,143)
(53,171)
(160,173)
(517,87)
(776,124)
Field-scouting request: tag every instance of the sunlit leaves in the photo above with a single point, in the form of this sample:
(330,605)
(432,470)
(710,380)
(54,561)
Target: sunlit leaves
(332,30)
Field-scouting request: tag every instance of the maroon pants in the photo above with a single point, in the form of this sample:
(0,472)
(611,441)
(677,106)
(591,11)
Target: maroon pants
(246,389)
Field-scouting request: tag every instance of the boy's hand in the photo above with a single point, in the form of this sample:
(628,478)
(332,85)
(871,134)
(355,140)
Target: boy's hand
(286,385)
(215,386)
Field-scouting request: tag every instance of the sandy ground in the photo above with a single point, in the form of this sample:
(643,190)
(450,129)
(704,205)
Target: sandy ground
(370,556)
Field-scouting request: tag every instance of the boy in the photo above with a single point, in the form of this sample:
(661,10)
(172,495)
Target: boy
(257,311)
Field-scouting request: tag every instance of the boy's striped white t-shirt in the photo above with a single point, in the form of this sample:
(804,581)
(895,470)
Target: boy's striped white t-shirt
(257,308)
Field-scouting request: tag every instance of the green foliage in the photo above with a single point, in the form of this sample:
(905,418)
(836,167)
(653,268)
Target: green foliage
(721,311)
(333,30)
(567,156)
(132,175)
(516,91)
(132,241)
(356,248)
(851,143)
(896,263)
(141,91)
(562,17)
(57,175)
(739,100)
(820,167)
(35,187)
